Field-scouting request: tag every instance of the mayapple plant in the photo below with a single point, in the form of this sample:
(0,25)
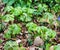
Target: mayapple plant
(31,27)
(23,14)
(12,30)
(45,33)
(11,45)
(26,15)
(8,18)
(42,31)
(47,17)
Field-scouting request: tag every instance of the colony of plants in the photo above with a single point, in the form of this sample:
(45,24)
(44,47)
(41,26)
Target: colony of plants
(29,25)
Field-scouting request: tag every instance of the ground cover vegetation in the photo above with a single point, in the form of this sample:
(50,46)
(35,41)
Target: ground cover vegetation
(29,24)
